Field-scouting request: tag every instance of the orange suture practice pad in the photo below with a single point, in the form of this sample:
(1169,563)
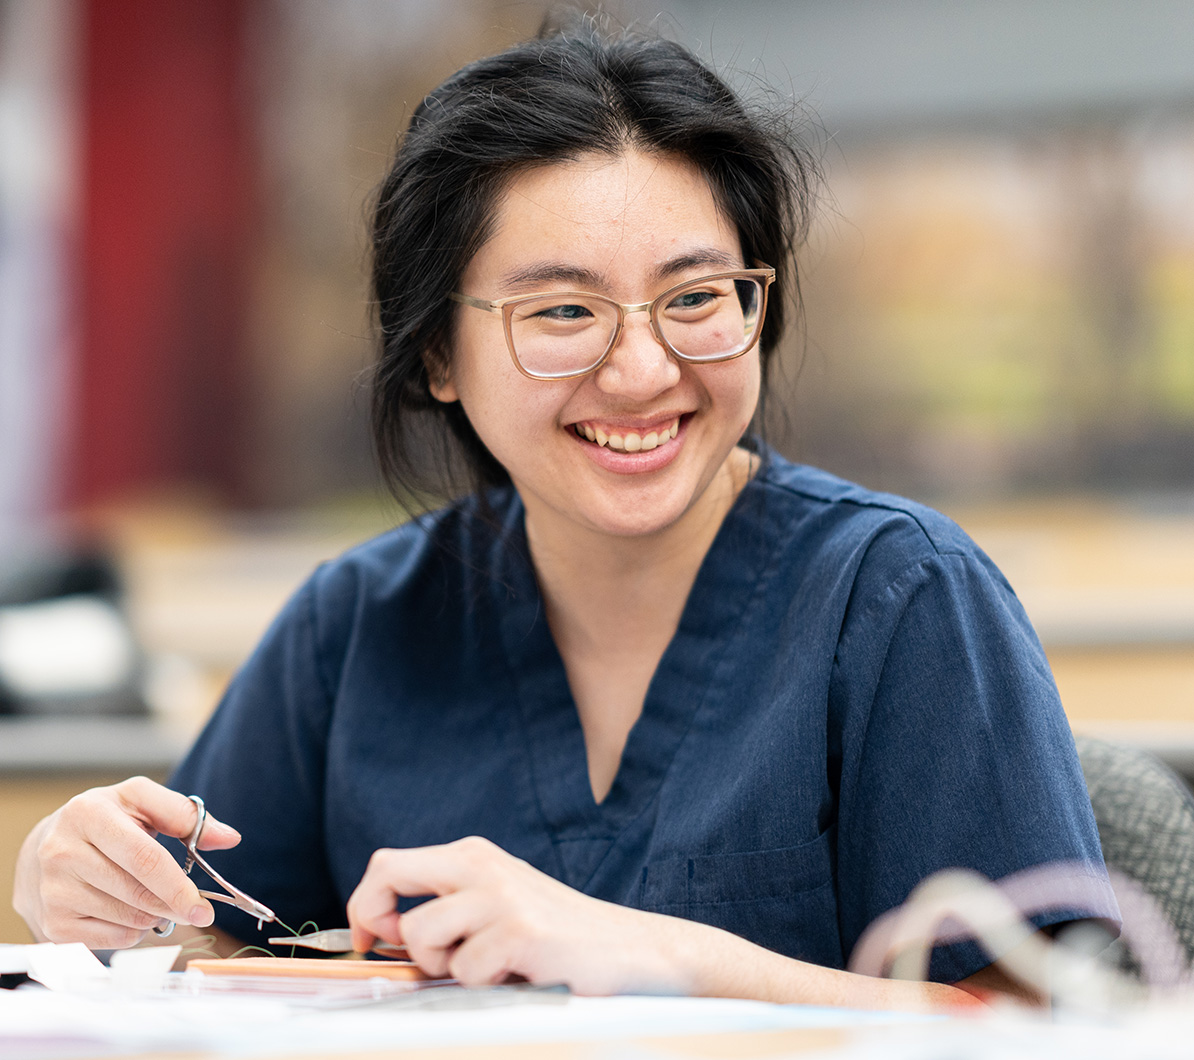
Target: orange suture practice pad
(308,967)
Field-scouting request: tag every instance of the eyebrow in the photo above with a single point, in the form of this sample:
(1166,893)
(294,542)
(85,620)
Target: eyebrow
(528,277)
(695,257)
(540,272)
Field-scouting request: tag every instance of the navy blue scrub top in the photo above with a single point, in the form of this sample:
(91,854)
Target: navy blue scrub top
(854,699)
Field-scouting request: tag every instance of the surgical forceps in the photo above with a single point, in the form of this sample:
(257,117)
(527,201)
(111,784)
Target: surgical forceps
(235,896)
(337,940)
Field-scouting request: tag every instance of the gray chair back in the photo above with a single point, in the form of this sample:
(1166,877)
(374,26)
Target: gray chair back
(1145,816)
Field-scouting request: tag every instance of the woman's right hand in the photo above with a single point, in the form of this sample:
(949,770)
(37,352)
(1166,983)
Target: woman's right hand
(92,871)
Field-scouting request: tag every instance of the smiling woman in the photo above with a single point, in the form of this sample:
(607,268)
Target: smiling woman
(609,224)
(646,707)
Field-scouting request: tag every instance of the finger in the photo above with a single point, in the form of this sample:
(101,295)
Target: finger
(91,869)
(392,874)
(94,904)
(216,834)
(417,871)
(432,931)
(162,810)
(95,918)
(98,841)
(147,861)
(372,906)
(413,872)
(387,928)
(488,957)
(95,934)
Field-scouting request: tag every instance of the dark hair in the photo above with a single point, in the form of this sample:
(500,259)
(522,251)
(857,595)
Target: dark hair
(570,92)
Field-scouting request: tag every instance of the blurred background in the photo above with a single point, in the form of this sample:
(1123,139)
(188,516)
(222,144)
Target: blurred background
(999,321)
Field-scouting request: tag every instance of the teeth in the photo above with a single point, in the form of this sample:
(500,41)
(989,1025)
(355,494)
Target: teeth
(630,442)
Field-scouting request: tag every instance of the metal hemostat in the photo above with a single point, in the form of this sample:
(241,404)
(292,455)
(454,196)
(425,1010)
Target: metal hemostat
(235,895)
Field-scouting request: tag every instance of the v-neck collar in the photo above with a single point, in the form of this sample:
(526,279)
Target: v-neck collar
(691,671)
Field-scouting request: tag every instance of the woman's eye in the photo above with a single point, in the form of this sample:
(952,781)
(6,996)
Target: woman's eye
(569,311)
(692,300)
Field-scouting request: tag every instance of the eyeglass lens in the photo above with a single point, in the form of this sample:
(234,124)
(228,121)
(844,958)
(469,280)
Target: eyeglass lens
(706,320)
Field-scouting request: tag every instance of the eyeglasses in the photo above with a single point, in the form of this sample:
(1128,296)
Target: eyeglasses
(570,333)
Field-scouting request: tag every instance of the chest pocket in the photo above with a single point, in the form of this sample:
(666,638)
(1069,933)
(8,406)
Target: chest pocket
(783,898)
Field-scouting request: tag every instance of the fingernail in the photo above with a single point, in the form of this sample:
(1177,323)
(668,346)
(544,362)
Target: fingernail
(202,916)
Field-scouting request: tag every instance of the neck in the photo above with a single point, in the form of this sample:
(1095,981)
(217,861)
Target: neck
(600,588)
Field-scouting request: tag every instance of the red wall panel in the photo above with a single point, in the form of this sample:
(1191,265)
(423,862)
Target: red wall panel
(167,216)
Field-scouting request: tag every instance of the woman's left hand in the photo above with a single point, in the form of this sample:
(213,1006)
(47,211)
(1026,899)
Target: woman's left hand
(496,916)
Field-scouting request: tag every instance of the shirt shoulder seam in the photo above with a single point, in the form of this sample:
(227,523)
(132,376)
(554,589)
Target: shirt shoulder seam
(876,503)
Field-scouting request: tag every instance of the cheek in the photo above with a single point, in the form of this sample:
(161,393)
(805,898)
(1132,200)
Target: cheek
(753,383)
(506,409)
(734,386)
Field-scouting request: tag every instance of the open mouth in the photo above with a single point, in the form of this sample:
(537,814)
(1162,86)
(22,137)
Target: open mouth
(624,441)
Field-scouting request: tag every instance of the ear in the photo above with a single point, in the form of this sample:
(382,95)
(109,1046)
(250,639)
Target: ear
(439,378)
(443,389)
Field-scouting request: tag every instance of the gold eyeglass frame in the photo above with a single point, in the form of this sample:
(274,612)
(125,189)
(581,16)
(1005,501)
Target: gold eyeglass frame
(764,274)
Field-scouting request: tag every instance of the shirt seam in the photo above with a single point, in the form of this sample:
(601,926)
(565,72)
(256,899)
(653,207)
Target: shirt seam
(312,618)
(870,504)
(905,575)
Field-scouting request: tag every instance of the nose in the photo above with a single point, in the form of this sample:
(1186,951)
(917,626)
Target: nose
(638,367)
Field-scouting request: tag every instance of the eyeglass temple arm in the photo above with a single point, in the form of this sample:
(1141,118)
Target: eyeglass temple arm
(476,303)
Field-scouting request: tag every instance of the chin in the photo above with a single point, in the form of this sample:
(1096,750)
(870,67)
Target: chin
(628,523)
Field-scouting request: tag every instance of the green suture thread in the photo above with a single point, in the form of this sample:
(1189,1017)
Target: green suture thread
(251,949)
(302,929)
(204,945)
(200,945)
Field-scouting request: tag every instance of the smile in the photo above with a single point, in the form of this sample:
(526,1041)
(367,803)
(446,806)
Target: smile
(628,441)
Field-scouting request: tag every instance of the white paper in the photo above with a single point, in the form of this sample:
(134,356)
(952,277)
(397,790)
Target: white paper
(65,966)
(12,959)
(256,1026)
(142,969)
(1149,1034)
(73,968)
(113,1011)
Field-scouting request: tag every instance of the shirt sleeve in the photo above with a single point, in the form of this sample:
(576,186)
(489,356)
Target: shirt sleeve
(954,749)
(259,765)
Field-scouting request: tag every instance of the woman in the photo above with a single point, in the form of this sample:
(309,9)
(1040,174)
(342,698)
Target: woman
(711,712)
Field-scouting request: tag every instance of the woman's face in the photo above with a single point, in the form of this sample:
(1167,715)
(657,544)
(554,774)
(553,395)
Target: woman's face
(628,226)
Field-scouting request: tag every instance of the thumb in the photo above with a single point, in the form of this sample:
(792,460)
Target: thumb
(217,835)
(168,812)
